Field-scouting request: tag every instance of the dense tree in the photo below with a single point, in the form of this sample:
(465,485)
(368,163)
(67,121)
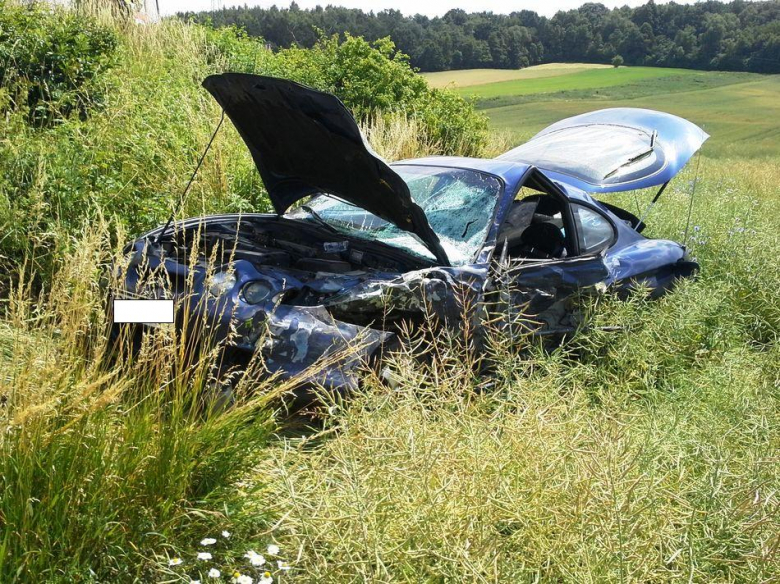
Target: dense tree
(736,36)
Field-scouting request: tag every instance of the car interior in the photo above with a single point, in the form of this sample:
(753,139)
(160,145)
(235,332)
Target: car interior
(534,228)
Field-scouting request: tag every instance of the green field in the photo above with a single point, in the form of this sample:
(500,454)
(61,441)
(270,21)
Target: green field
(741,111)
(468,77)
(577,79)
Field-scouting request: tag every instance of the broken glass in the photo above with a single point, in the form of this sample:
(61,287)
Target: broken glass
(459,205)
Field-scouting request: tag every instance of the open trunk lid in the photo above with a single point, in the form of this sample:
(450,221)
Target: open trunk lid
(305,142)
(610,150)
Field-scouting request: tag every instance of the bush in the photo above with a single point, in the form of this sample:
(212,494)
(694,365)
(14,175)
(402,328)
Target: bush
(370,78)
(132,158)
(51,60)
(617,61)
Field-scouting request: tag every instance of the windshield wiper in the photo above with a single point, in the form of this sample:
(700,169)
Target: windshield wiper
(317,217)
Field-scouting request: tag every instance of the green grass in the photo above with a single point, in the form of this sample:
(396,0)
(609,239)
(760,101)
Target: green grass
(740,110)
(743,118)
(468,77)
(589,79)
(644,454)
(652,87)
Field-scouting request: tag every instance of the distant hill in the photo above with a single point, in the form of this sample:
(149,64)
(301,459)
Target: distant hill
(735,36)
(461,78)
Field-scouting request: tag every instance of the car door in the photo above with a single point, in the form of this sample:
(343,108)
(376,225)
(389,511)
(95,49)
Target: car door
(544,294)
(536,294)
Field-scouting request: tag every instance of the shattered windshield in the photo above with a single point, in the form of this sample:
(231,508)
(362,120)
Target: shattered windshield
(458,203)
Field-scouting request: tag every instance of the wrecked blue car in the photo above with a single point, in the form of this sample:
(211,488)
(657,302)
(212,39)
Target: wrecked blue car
(357,246)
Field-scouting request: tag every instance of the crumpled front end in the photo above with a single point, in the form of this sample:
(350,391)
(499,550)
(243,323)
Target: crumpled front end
(310,344)
(312,310)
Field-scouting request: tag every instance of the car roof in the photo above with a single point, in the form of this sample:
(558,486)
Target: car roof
(510,172)
(573,193)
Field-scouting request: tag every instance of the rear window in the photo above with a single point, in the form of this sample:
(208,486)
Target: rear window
(595,153)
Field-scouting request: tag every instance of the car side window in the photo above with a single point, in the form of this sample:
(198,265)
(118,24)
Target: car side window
(595,232)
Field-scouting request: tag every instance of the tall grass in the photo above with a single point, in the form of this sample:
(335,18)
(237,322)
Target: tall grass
(648,453)
(107,456)
(642,450)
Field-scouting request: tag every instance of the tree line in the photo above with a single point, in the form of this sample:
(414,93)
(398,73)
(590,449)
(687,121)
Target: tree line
(735,36)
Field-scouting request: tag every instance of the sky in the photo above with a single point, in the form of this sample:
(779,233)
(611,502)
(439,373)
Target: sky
(407,7)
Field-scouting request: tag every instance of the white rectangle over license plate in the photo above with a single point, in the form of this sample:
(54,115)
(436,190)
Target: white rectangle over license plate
(143,311)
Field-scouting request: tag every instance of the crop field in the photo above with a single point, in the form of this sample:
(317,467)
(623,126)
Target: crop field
(469,77)
(589,79)
(643,448)
(740,111)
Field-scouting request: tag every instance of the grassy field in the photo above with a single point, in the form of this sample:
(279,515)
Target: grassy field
(739,110)
(595,79)
(469,77)
(649,454)
(643,454)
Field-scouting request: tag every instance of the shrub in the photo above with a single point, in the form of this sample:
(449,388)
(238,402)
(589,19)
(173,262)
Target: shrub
(617,61)
(133,157)
(372,79)
(51,60)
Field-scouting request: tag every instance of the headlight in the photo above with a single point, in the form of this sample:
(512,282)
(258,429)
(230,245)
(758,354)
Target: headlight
(221,283)
(256,292)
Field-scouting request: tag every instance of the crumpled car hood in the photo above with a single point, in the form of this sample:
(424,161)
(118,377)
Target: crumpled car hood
(304,142)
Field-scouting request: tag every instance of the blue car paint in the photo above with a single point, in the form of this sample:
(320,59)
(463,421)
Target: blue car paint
(630,259)
(675,139)
(294,337)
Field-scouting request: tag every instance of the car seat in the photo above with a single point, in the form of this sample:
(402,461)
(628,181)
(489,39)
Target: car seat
(542,241)
(528,213)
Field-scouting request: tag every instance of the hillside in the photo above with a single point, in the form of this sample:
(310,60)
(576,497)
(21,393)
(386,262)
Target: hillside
(739,110)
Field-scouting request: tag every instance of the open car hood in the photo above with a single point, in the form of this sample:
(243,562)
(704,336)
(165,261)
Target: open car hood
(609,150)
(305,142)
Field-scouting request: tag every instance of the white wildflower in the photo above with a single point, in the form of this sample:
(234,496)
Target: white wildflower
(273,549)
(208,541)
(214,573)
(266,578)
(194,581)
(282,566)
(254,558)
(239,578)
(225,534)
(174,561)
(204,556)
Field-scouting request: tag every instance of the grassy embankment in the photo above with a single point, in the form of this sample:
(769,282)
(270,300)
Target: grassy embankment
(647,454)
